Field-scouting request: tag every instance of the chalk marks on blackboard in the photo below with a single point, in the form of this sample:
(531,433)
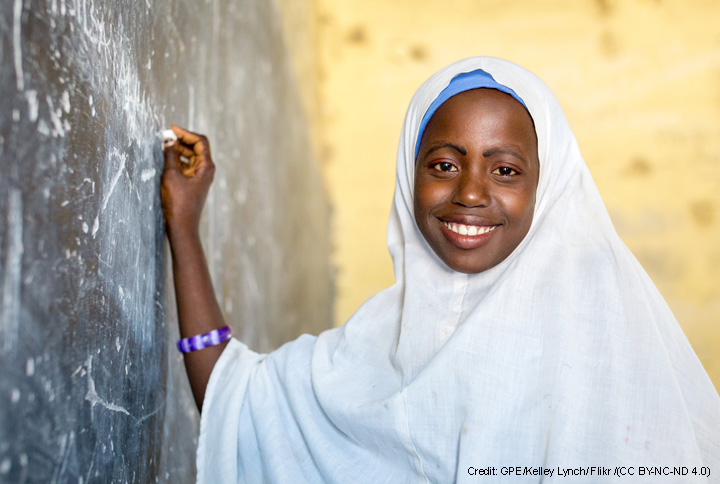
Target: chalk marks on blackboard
(92,396)
(122,157)
(31,97)
(10,315)
(17,44)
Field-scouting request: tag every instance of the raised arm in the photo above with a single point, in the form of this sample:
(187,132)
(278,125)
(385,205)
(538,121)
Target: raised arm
(184,189)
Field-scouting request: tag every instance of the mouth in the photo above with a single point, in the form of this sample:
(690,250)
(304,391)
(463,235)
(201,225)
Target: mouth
(470,230)
(467,236)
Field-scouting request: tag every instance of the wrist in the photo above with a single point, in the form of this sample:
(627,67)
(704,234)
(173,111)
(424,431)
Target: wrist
(182,235)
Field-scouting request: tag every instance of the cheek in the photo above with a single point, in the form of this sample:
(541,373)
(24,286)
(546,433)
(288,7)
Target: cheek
(425,198)
(418,213)
(417,200)
(419,207)
(520,207)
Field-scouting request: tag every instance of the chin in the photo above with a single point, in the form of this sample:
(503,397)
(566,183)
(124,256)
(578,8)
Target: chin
(469,270)
(467,267)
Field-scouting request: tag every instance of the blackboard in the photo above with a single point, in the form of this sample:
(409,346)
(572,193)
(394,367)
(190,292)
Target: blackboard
(92,389)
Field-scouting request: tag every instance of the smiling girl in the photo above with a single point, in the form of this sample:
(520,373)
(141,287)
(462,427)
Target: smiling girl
(476,174)
(520,330)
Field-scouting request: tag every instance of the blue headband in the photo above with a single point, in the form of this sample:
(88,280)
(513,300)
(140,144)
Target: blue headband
(462,82)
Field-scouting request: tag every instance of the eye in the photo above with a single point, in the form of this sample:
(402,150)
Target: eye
(505,171)
(444,166)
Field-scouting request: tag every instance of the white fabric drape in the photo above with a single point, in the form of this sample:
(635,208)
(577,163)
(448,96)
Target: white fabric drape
(562,356)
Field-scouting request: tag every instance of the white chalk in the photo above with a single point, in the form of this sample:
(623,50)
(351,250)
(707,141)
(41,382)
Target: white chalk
(169,134)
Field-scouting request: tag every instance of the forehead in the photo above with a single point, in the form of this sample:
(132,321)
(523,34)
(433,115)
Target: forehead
(482,110)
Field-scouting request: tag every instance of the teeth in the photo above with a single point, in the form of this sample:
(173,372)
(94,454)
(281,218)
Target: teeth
(463,229)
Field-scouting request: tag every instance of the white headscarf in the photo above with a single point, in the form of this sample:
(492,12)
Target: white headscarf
(563,356)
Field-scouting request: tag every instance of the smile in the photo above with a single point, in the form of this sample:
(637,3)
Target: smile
(471,230)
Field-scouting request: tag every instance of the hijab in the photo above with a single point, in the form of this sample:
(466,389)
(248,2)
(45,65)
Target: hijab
(563,359)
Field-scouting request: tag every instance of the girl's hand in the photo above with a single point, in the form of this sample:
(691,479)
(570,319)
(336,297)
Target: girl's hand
(184,186)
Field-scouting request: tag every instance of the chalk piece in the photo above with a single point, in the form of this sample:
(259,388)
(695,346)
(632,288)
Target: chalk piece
(169,134)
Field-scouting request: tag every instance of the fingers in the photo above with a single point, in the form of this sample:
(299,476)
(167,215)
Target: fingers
(172,156)
(185,151)
(187,136)
(199,143)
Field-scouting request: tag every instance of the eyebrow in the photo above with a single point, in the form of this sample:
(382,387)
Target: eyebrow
(500,150)
(457,148)
(486,153)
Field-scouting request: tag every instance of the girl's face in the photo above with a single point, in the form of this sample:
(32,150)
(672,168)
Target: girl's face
(475,179)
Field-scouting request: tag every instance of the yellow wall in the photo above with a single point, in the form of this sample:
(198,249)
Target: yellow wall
(299,28)
(639,81)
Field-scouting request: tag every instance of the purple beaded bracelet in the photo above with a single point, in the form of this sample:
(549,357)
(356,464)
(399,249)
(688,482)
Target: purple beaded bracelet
(211,338)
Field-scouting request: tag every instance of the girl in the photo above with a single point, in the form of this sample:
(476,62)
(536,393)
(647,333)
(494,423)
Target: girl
(522,340)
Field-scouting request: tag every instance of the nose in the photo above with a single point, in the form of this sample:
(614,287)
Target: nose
(472,190)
